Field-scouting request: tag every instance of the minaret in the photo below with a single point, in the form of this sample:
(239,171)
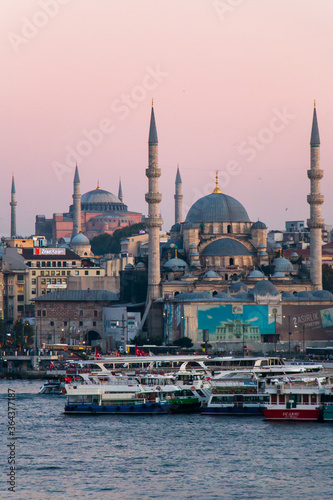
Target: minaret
(13,204)
(76,204)
(315,200)
(120,191)
(154,221)
(178,198)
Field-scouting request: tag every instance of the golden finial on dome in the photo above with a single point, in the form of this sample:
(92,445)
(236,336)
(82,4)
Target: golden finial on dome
(314,104)
(98,185)
(217,189)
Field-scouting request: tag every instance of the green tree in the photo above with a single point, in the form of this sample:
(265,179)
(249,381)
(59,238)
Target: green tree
(23,333)
(327,277)
(183,342)
(105,243)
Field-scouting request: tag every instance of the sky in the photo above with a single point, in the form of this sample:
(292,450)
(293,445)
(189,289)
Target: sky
(233,84)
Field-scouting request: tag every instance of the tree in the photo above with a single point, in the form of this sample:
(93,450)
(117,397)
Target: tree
(183,342)
(327,278)
(23,333)
(106,243)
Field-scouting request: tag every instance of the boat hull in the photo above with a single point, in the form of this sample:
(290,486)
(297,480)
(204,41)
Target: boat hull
(119,409)
(232,410)
(328,413)
(291,414)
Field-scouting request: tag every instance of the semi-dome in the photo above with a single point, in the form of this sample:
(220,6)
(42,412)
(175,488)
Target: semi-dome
(323,294)
(176,227)
(193,296)
(176,265)
(223,296)
(287,296)
(217,207)
(80,239)
(226,246)
(258,225)
(304,295)
(279,274)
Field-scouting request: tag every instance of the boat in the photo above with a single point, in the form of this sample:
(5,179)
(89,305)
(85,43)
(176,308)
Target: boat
(295,399)
(237,393)
(99,400)
(327,400)
(52,388)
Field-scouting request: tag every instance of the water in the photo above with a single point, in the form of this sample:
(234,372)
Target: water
(166,457)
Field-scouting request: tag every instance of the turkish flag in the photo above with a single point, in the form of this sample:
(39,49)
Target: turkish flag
(137,351)
(118,354)
(97,354)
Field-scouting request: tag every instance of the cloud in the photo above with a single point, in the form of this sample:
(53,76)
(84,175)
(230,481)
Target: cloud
(253,319)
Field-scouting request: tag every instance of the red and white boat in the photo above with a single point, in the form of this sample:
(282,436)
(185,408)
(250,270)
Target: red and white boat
(295,399)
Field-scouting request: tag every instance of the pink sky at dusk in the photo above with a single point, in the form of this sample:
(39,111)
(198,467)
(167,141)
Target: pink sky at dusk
(220,72)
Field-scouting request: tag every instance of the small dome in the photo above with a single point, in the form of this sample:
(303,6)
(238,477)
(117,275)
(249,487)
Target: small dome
(259,225)
(256,274)
(193,245)
(211,274)
(276,245)
(196,264)
(263,254)
(129,267)
(238,286)
(243,296)
(304,296)
(261,245)
(264,288)
(176,227)
(141,265)
(278,274)
(176,265)
(194,252)
(193,296)
(323,294)
(282,265)
(80,239)
(288,296)
(223,296)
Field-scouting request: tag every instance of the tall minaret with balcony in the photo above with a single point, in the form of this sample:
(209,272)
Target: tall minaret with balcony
(76,204)
(13,204)
(315,200)
(154,221)
(178,198)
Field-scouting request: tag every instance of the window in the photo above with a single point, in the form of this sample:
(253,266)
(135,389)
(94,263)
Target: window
(51,323)
(80,323)
(57,273)
(33,291)
(33,273)
(44,312)
(52,273)
(94,323)
(48,264)
(20,308)
(73,263)
(77,273)
(63,273)
(33,281)
(98,273)
(59,263)
(43,264)
(20,298)
(81,312)
(54,281)
(95,313)
(65,323)
(86,273)
(20,277)
(39,313)
(64,264)
(42,273)
(68,273)
(54,264)
(47,273)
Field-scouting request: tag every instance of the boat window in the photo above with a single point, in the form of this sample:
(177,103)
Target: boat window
(281,399)
(305,399)
(313,398)
(75,399)
(273,399)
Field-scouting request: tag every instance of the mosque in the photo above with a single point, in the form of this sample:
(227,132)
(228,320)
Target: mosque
(219,264)
(95,212)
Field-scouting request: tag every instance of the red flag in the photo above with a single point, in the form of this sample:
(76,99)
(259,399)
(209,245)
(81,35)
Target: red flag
(137,351)
(51,366)
(118,354)
(97,354)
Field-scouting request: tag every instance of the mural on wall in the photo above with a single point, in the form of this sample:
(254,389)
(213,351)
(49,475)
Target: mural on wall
(238,322)
(307,322)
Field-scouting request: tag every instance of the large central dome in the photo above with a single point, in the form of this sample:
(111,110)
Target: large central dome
(217,207)
(99,196)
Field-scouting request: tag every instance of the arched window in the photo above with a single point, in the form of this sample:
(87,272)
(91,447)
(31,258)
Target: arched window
(231,261)
(226,277)
(229,229)
(214,293)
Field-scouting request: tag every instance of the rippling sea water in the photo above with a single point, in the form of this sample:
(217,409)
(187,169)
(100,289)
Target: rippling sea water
(162,457)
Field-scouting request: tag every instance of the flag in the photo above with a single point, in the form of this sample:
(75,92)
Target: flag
(137,351)
(97,354)
(118,354)
(51,366)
